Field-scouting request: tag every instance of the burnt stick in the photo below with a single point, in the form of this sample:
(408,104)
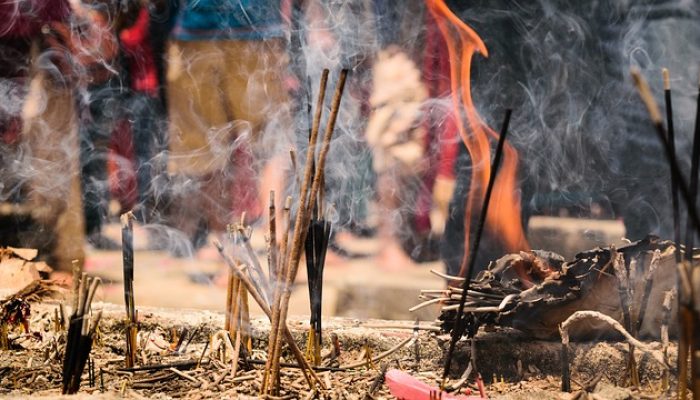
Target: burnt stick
(457,331)
(272,230)
(695,164)
(674,184)
(128,263)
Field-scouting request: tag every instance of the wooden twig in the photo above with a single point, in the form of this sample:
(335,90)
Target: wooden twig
(376,383)
(648,284)
(277,290)
(295,166)
(128,268)
(685,317)
(81,332)
(381,356)
(230,292)
(76,283)
(624,291)
(565,372)
(655,354)
(665,318)
(261,283)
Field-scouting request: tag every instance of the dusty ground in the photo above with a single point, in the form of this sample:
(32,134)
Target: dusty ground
(512,366)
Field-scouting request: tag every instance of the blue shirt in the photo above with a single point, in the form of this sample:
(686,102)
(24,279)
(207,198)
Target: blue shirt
(229,19)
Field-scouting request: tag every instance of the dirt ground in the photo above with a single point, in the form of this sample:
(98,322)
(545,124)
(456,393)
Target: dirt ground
(513,367)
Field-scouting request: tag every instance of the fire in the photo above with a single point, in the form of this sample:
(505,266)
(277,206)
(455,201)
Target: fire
(504,217)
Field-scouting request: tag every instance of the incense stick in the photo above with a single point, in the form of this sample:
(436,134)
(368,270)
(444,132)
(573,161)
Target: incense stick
(695,164)
(275,336)
(277,292)
(272,246)
(674,185)
(458,329)
(128,271)
(686,315)
(260,282)
(655,115)
(301,225)
(309,375)
(81,332)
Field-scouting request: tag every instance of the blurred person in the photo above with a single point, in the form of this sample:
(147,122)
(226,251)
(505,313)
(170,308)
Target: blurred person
(413,136)
(397,138)
(92,39)
(225,89)
(334,35)
(38,141)
(144,108)
(25,25)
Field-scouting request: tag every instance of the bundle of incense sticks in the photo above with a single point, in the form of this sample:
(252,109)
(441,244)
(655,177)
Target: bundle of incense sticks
(244,278)
(308,194)
(81,331)
(237,321)
(128,267)
(689,314)
(316,246)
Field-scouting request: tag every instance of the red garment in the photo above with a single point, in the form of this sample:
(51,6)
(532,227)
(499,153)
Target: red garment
(442,137)
(25,18)
(137,47)
(442,140)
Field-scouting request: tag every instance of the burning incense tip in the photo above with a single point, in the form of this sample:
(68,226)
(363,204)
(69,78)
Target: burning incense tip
(646,95)
(667,79)
(126,218)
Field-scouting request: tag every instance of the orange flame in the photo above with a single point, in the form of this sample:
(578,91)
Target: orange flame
(504,217)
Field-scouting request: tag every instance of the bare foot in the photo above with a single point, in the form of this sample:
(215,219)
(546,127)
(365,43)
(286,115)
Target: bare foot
(333,259)
(392,258)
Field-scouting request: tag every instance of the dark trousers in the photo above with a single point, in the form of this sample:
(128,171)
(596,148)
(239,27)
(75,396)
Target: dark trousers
(147,118)
(99,107)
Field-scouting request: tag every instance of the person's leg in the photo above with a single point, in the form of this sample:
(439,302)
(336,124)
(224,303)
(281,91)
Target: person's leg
(99,108)
(200,136)
(144,116)
(396,201)
(259,105)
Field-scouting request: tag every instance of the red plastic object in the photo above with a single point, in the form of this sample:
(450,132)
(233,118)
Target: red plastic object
(406,387)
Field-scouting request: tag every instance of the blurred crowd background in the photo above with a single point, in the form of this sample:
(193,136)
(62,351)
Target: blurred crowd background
(184,111)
